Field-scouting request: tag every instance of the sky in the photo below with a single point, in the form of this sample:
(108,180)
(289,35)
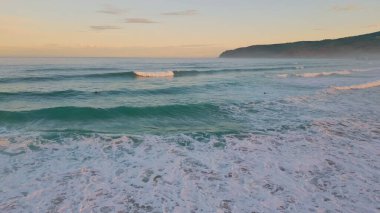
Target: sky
(173,28)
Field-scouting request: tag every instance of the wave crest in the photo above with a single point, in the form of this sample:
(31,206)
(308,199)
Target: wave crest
(71,113)
(315,74)
(154,74)
(360,86)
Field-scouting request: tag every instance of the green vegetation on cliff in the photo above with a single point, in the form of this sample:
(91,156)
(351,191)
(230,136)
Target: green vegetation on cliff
(367,45)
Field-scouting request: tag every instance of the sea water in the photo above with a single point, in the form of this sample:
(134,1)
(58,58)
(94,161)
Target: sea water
(220,135)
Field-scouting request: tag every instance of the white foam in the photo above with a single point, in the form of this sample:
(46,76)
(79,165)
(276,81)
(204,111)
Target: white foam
(154,74)
(282,75)
(360,86)
(320,74)
(314,74)
(292,172)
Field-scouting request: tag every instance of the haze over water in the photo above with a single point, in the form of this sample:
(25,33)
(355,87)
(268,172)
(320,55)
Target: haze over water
(222,135)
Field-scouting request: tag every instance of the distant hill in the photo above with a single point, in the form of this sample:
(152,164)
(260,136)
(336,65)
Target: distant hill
(361,46)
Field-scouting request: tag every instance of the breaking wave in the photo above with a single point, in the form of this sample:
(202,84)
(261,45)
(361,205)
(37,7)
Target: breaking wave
(154,74)
(360,86)
(132,74)
(314,74)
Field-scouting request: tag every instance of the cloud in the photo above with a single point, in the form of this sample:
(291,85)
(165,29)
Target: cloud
(346,8)
(104,27)
(139,21)
(182,13)
(111,10)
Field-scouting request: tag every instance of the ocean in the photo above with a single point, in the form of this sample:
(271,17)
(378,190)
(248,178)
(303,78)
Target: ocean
(221,135)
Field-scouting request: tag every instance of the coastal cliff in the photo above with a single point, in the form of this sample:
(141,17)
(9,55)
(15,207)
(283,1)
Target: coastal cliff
(367,45)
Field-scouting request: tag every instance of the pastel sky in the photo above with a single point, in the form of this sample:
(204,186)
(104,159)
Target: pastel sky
(173,28)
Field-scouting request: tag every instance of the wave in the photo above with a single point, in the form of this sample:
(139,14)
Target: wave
(127,74)
(234,70)
(74,93)
(320,74)
(282,75)
(34,94)
(315,74)
(132,74)
(360,86)
(72,69)
(154,74)
(71,113)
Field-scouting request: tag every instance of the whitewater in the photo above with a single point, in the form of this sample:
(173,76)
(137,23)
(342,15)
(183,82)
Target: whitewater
(189,135)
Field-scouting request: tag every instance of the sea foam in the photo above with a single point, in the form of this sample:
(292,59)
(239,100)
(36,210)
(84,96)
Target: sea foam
(360,86)
(314,74)
(100,173)
(154,74)
(320,74)
(237,141)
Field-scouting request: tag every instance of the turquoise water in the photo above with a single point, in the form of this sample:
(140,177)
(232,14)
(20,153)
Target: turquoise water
(224,125)
(103,95)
